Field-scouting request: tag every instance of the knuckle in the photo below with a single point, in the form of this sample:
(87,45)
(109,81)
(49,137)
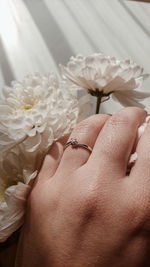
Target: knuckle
(130,115)
(82,127)
(89,124)
(131,109)
(120,119)
(101,117)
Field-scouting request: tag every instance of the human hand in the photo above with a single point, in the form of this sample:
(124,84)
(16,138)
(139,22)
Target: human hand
(84,210)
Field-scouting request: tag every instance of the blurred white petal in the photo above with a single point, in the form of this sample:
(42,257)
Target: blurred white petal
(86,106)
(137,94)
(133,158)
(127,100)
(13,209)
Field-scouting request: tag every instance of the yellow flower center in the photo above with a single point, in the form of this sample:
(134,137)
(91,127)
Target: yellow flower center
(28,106)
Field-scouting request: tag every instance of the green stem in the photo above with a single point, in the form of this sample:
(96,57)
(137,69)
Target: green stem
(98,103)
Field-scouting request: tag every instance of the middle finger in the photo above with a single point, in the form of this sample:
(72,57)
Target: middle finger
(115,142)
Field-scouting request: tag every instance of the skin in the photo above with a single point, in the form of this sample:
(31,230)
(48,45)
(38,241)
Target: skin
(84,211)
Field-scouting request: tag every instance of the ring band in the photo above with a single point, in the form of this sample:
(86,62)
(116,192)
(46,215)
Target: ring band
(74,143)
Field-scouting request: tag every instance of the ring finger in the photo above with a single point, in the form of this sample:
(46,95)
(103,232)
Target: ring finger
(86,132)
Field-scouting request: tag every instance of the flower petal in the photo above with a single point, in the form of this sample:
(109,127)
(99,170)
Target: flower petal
(125,100)
(137,94)
(12,211)
(104,74)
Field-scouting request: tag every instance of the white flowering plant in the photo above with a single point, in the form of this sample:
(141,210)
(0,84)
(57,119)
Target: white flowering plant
(39,110)
(103,76)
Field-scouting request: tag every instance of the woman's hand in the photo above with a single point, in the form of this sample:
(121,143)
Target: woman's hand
(83,209)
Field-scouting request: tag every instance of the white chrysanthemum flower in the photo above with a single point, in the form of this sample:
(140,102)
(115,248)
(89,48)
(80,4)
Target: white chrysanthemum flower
(103,75)
(33,114)
(36,110)
(17,170)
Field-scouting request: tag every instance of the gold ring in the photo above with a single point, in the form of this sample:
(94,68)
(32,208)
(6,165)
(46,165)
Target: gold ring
(74,143)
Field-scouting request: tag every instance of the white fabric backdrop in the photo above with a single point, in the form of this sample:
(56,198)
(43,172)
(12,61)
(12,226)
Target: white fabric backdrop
(36,35)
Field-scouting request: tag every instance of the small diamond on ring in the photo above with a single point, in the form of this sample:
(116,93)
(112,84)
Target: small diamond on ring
(73,142)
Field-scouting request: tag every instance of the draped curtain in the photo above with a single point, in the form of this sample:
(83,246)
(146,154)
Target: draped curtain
(37,35)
